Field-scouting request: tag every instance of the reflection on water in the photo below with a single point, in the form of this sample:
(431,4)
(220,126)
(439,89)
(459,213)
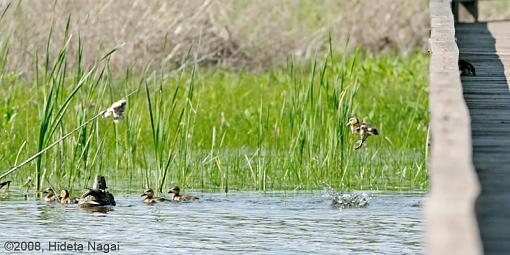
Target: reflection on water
(236,223)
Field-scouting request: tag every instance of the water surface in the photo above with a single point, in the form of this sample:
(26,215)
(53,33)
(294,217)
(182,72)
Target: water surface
(233,223)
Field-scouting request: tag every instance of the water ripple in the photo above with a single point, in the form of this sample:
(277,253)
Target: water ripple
(237,223)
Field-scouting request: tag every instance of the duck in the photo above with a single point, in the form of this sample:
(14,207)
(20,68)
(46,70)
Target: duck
(65,197)
(98,195)
(466,68)
(5,183)
(149,197)
(178,197)
(50,195)
(363,129)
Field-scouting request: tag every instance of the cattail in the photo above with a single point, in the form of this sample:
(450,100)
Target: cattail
(116,110)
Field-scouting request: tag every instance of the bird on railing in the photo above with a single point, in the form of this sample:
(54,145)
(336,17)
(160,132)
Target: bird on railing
(150,198)
(363,129)
(466,68)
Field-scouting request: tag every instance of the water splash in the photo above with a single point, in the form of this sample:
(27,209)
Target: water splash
(348,199)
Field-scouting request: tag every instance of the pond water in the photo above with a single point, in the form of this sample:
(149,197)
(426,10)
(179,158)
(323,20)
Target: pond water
(233,223)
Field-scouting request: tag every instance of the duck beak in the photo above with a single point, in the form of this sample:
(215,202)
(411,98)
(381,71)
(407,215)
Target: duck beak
(348,124)
(170,191)
(143,195)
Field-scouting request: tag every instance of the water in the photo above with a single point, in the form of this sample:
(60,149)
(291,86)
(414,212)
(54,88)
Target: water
(236,223)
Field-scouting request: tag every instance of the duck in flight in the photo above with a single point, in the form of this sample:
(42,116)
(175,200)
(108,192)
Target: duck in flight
(363,129)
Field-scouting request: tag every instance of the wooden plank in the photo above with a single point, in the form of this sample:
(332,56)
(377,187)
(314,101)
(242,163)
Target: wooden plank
(451,226)
(487,47)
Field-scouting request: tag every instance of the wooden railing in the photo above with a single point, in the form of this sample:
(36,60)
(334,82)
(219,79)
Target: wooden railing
(450,222)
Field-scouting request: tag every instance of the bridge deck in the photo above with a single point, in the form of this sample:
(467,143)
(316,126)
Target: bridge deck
(486,45)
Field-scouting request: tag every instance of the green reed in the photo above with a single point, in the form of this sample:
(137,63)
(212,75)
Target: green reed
(211,128)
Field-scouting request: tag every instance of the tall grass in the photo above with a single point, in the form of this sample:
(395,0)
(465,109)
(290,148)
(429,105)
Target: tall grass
(222,129)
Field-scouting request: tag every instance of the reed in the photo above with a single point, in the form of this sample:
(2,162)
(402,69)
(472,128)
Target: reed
(220,129)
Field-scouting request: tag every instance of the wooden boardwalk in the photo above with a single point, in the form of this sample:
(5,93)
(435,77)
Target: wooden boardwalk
(468,206)
(487,46)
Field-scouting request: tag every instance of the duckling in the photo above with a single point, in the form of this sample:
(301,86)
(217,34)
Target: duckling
(363,129)
(98,195)
(178,197)
(116,110)
(2,184)
(149,197)
(50,195)
(65,197)
(466,68)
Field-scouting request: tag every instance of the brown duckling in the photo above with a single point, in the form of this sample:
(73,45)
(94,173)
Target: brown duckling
(149,197)
(178,197)
(363,129)
(466,68)
(98,195)
(65,197)
(50,195)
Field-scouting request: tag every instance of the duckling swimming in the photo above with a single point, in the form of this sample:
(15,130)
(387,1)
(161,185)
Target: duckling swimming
(363,129)
(98,195)
(178,197)
(50,195)
(149,197)
(466,68)
(65,197)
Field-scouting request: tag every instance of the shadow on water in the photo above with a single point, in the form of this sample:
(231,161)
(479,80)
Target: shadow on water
(488,99)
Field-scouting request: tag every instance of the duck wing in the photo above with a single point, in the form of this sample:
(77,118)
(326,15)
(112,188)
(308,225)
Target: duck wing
(96,197)
(189,198)
(109,198)
(369,129)
(161,199)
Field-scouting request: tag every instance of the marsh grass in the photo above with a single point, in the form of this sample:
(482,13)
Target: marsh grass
(220,129)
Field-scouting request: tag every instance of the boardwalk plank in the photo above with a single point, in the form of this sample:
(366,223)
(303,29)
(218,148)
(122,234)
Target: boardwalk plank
(487,47)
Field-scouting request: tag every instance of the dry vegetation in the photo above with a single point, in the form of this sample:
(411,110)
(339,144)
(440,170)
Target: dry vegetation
(231,33)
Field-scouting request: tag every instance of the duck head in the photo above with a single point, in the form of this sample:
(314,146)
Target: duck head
(99,183)
(64,194)
(352,121)
(175,190)
(49,191)
(149,193)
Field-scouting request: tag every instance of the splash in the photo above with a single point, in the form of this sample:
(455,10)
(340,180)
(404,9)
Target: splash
(348,200)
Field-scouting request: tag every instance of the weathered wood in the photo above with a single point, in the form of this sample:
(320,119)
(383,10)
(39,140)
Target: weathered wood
(487,46)
(451,226)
